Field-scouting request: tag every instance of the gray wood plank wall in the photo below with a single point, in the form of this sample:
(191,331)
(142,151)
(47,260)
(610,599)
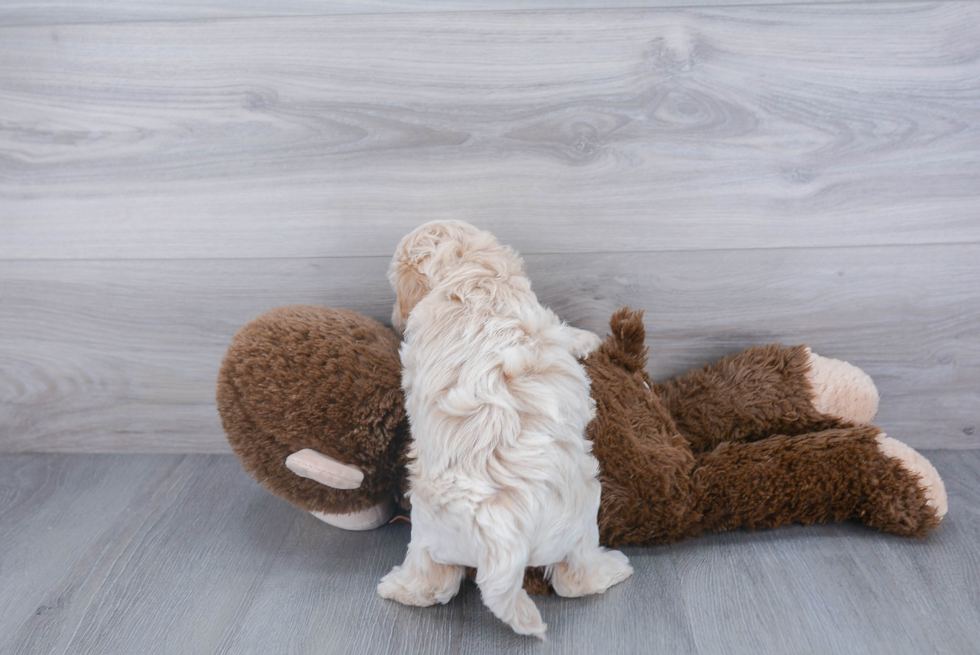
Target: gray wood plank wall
(803,173)
(56,12)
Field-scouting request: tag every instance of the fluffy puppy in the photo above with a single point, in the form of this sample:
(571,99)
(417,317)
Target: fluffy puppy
(501,475)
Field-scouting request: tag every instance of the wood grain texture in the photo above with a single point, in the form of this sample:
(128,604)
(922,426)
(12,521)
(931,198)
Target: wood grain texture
(123,355)
(574,131)
(54,509)
(198,558)
(185,539)
(54,12)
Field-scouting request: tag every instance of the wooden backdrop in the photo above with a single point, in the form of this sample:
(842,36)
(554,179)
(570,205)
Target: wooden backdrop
(745,174)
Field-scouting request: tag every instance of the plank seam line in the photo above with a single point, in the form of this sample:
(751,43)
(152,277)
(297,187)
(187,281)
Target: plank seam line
(523,253)
(543,10)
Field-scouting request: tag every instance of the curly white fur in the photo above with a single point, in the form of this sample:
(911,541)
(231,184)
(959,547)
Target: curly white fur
(501,474)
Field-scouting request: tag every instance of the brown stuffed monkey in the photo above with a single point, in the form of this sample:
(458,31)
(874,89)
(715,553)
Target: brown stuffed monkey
(311,402)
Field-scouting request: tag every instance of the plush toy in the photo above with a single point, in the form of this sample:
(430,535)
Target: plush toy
(311,403)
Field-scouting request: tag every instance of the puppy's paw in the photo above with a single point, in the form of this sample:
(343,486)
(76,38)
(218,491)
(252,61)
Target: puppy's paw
(421,581)
(401,586)
(584,342)
(525,619)
(842,390)
(616,568)
(605,569)
(929,481)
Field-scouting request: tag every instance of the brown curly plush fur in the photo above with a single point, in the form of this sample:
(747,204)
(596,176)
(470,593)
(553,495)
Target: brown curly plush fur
(326,379)
(735,444)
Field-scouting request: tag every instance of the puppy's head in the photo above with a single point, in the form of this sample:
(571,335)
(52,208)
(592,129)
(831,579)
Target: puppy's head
(427,255)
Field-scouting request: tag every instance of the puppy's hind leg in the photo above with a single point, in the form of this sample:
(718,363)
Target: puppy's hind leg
(589,569)
(421,581)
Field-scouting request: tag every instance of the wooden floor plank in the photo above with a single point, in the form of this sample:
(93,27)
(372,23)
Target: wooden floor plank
(346,619)
(53,510)
(741,127)
(918,578)
(191,556)
(123,356)
(169,574)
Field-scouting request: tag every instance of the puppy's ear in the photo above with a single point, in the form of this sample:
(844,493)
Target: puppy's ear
(412,287)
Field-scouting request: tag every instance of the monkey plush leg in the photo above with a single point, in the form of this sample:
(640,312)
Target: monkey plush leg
(815,478)
(767,390)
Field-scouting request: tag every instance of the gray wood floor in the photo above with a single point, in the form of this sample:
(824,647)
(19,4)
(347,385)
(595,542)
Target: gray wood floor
(127,554)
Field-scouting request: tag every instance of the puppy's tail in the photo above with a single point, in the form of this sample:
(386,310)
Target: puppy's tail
(502,557)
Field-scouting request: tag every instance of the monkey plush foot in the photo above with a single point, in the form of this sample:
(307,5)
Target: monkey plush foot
(842,390)
(907,496)
(913,462)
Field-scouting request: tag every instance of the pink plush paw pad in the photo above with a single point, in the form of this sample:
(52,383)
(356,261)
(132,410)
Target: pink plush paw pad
(842,390)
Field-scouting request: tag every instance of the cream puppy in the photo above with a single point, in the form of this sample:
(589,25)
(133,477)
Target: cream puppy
(501,474)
